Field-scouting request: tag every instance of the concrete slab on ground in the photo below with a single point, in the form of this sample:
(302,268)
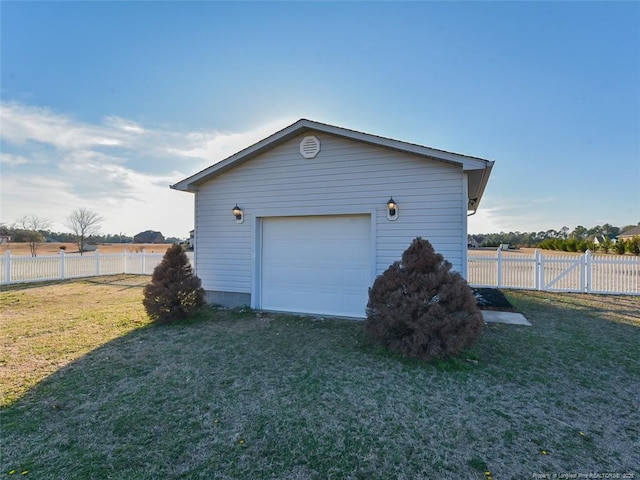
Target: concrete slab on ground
(511,318)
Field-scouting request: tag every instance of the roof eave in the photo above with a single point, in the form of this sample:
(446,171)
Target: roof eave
(475,196)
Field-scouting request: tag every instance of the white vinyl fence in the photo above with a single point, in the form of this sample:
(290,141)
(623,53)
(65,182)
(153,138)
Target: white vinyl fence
(586,273)
(21,269)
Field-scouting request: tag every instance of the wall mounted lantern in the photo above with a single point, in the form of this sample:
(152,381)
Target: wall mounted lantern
(392,209)
(238,213)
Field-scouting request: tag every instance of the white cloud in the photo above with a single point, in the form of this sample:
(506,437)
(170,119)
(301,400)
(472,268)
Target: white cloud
(506,214)
(23,123)
(11,159)
(124,125)
(38,195)
(216,146)
(117,167)
(128,201)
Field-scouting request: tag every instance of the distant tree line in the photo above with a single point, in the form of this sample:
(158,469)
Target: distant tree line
(83,223)
(607,245)
(580,239)
(19,235)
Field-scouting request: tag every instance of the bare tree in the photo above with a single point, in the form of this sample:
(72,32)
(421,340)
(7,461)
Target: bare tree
(83,223)
(33,226)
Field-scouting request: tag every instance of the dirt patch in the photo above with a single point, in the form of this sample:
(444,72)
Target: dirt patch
(492,299)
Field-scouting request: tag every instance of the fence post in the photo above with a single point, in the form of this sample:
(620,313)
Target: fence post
(144,262)
(7,266)
(62,262)
(586,280)
(124,260)
(536,269)
(541,271)
(499,268)
(97,257)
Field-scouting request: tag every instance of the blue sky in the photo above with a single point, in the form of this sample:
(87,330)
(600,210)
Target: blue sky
(105,104)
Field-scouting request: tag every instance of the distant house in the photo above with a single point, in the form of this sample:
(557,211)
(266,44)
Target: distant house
(472,242)
(600,239)
(5,239)
(630,233)
(148,236)
(192,239)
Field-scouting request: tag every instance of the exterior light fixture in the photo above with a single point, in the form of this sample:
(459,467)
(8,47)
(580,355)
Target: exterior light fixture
(392,209)
(238,213)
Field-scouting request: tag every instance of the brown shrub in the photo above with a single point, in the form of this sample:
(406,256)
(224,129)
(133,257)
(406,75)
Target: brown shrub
(174,292)
(422,309)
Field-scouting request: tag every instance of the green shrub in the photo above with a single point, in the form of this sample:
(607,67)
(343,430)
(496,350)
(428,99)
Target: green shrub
(619,247)
(175,292)
(584,245)
(633,245)
(572,245)
(420,308)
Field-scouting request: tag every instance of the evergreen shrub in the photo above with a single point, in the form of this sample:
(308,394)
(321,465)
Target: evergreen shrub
(420,308)
(619,247)
(633,245)
(175,292)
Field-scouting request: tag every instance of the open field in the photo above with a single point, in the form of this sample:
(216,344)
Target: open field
(53,248)
(93,391)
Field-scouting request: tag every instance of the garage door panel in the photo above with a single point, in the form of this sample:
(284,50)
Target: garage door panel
(356,277)
(316,264)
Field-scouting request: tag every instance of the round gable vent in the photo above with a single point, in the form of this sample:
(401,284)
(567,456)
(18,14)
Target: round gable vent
(309,146)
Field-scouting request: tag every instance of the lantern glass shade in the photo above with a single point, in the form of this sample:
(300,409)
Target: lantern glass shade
(237,212)
(391,205)
(392,209)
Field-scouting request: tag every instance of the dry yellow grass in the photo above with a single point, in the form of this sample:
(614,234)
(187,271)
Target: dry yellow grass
(45,327)
(54,248)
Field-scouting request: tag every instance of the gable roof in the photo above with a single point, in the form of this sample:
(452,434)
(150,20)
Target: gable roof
(631,232)
(148,236)
(598,239)
(477,169)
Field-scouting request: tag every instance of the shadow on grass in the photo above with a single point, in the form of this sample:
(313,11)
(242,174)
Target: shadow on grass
(125,281)
(245,394)
(122,280)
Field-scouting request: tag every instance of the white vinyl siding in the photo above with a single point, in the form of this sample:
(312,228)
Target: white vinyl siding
(346,177)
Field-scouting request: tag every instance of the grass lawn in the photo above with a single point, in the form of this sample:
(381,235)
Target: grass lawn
(92,391)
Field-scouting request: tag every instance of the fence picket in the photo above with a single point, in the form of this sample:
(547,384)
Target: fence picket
(62,263)
(7,266)
(499,268)
(587,279)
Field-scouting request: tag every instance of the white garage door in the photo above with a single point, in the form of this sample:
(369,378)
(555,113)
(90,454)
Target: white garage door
(318,264)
